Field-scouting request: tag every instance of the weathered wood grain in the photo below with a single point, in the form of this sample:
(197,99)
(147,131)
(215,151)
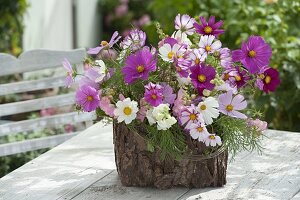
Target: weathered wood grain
(82,168)
(38,59)
(34,144)
(37,104)
(65,171)
(33,85)
(45,122)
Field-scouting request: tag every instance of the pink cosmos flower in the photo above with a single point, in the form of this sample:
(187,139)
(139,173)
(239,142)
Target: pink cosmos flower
(255,54)
(88,98)
(198,131)
(259,124)
(121,10)
(138,66)
(190,115)
(230,105)
(179,103)
(144,20)
(196,57)
(143,110)
(224,56)
(212,140)
(185,24)
(105,45)
(135,40)
(182,67)
(168,95)
(210,27)
(201,76)
(106,105)
(69,79)
(268,79)
(153,94)
(47,112)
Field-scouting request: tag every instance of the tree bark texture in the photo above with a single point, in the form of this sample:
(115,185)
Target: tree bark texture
(139,167)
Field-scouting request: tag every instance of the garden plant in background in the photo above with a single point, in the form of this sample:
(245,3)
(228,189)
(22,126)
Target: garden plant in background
(183,99)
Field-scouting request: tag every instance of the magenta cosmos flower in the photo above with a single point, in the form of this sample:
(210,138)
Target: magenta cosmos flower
(201,76)
(153,94)
(88,98)
(230,105)
(69,78)
(138,65)
(105,45)
(135,40)
(210,27)
(236,77)
(190,115)
(185,24)
(268,79)
(255,54)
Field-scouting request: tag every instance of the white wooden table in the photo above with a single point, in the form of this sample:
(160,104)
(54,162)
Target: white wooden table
(84,168)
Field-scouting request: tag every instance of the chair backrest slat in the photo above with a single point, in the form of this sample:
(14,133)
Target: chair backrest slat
(45,122)
(37,60)
(34,144)
(60,100)
(32,85)
(37,104)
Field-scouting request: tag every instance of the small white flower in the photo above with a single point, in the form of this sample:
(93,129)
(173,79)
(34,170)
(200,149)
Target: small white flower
(226,87)
(212,140)
(167,52)
(196,57)
(208,109)
(101,70)
(126,110)
(183,81)
(198,131)
(208,45)
(160,115)
(181,37)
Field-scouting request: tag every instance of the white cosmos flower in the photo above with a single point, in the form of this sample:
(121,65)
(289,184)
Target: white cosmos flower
(160,115)
(207,45)
(196,57)
(167,52)
(212,140)
(209,109)
(183,81)
(181,37)
(199,131)
(101,70)
(126,110)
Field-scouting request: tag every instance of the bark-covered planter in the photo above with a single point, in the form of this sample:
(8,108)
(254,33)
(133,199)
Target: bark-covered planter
(139,167)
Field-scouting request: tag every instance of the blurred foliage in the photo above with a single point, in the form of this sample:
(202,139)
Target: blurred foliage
(11,25)
(278,21)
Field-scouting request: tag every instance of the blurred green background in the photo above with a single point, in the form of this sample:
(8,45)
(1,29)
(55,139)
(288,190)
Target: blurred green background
(278,21)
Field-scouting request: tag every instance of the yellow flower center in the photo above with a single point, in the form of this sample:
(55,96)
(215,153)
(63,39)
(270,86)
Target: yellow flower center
(207,29)
(238,78)
(89,98)
(171,54)
(261,76)
(104,43)
(199,129)
(178,69)
(197,61)
(193,116)
(229,108)
(153,96)
(268,79)
(203,107)
(201,78)
(207,48)
(212,137)
(140,68)
(127,110)
(252,53)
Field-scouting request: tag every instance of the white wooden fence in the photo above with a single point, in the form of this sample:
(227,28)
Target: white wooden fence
(28,62)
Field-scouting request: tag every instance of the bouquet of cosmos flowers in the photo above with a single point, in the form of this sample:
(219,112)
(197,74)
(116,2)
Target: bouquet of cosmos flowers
(188,86)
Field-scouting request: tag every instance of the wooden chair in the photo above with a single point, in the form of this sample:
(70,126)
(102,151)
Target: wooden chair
(28,62)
